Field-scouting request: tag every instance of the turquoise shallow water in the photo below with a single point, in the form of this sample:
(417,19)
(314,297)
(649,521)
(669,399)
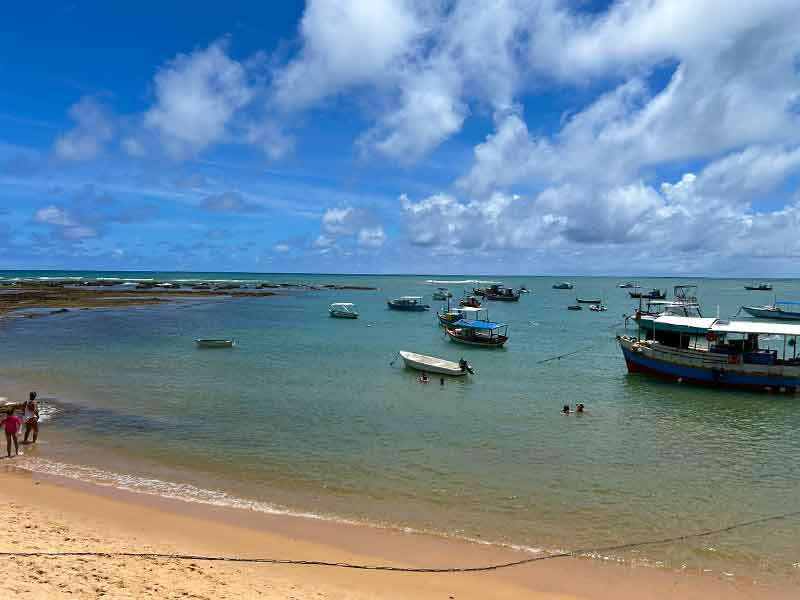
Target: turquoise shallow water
(307,414)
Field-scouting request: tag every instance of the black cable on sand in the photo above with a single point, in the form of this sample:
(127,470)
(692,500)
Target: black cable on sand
(366,567)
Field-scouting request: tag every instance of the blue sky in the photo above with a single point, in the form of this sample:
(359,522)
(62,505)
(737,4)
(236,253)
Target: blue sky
(518,136)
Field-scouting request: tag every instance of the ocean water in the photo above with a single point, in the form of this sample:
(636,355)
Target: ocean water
(317,416)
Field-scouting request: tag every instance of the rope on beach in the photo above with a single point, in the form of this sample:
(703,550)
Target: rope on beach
(367,567)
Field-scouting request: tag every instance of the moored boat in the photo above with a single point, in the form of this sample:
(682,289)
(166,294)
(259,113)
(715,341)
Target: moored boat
(479,333)
(498,292)
(718,353)
(343,310)
(524,290)
(627,284)
(470,302)
(408,303)
(598,307)
(442,294)
(759,287)
(563,285)
(654,294)
(574,307)
(432,364)
(780,310)
(211,343)
(588,300)
(451,315)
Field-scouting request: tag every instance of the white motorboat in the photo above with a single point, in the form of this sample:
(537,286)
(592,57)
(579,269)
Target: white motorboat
(598,307)
(431,364)
(209,343)
(782,310)
(343,310)
(442,294)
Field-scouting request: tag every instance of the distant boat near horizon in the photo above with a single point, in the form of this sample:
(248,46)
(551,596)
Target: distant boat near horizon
(759,287)
(563,285)
(654,294)
(212,343)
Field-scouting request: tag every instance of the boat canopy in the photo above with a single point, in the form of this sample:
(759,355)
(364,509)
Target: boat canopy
(694,322)
(722,326)
(479,324)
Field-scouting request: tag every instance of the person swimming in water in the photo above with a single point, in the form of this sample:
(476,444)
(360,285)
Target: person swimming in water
(565,410)
(424,378)
(579,408)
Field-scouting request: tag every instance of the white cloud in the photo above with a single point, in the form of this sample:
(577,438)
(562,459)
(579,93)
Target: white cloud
(54,215)
(197,96)
(94,129)
(65,223)
(371,237)
(346,43)
(341,221)
(429,112)
(230,202)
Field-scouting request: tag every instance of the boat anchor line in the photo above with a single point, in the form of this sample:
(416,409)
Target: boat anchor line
(368,567)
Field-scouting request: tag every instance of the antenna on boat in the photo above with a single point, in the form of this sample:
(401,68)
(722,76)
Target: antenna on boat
(718,311)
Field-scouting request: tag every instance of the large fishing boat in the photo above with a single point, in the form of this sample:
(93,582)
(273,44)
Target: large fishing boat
(716,352)
(479,333)
(781,310)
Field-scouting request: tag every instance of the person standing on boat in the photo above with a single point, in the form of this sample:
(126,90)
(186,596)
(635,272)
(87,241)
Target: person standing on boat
(31,418)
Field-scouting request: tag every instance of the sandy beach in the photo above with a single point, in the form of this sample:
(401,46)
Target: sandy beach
(50,515)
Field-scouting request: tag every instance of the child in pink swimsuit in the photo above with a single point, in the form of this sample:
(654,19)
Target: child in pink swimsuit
(12,424)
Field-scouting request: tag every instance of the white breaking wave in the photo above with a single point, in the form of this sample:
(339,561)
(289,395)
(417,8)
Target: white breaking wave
(186,492)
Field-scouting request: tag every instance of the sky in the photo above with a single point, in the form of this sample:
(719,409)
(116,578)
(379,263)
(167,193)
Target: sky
(551,137)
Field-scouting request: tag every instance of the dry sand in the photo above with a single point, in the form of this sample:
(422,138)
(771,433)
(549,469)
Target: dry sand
(46,514)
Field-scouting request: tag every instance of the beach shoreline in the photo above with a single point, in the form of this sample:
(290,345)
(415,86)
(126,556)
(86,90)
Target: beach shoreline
(64,515)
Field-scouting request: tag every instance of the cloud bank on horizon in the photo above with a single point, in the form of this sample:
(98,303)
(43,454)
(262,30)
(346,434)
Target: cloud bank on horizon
(515,136)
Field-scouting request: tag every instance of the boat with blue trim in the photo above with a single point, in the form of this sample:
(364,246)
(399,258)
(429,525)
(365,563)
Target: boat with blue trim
(714,352)
(478,333)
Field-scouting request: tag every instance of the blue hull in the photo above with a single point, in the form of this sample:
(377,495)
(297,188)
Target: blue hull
(711,377)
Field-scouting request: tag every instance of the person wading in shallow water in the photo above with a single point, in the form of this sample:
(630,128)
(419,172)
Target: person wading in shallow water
(31,418)
(11,423)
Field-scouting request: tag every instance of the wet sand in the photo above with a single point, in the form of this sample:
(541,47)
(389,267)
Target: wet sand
(50,514)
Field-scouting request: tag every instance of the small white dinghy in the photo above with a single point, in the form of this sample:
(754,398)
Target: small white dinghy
(207,343)
(431,364)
